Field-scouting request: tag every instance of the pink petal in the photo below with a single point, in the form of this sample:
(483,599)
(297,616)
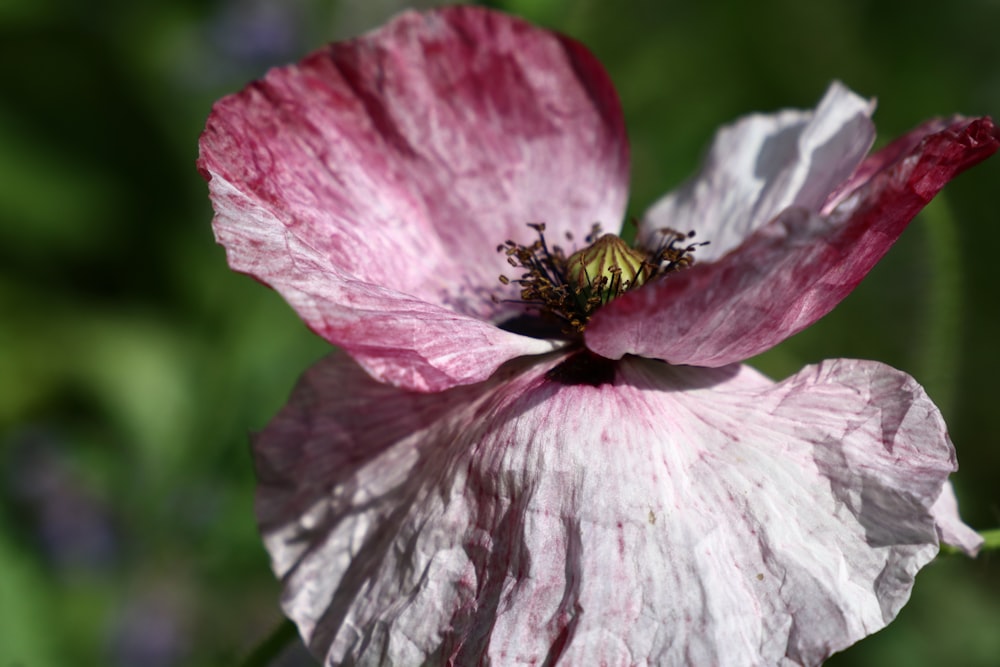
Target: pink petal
(790,272)
(371,183)
(763,164)
(677,516)
(885,158)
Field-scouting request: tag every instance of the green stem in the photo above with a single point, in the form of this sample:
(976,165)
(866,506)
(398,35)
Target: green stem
(991,542)
(269,649)
(940,343)
(992,538)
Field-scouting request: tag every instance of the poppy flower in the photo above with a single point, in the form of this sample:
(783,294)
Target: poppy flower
(572,464)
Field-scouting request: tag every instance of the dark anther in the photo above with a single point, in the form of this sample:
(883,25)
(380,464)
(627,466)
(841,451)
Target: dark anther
(572,287)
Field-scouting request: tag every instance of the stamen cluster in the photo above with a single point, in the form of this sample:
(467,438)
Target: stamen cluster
(572,288)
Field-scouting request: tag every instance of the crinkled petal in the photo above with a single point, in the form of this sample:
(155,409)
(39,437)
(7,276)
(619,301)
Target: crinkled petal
(677,516)
(398,338)
(951,528)
(885,157)
(763,164)
(383,172)
(790,272)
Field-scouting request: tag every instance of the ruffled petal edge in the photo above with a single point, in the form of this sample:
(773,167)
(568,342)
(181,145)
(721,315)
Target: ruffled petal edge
(792,271)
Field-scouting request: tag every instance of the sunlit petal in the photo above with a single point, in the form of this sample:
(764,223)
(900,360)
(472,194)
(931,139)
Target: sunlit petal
(371,183)
(763,164)
(790,272)
(675,516)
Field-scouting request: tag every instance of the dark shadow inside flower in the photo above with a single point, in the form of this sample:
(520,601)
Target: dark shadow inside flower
(534,326)
(583,367)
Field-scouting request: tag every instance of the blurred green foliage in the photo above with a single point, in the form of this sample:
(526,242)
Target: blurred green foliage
(133,363)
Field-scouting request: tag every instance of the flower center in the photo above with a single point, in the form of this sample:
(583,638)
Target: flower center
(573,288)
(606,269)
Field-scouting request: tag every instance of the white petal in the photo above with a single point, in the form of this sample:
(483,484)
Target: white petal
(761,165)
(950,525)
(676,516)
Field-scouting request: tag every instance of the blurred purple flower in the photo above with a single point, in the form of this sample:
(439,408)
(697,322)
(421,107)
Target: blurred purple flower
(259,31)
(149,631)
(72,527)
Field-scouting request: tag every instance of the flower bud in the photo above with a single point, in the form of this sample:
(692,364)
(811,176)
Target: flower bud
(606,268)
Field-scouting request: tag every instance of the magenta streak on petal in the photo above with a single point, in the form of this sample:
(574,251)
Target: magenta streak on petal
(885,158)
(790,272)
(377,176)
(677,516)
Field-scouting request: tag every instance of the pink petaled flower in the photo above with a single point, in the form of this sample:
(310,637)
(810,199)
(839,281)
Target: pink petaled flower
(573,466)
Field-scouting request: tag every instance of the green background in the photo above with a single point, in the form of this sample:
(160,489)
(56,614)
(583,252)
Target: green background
(133,363)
